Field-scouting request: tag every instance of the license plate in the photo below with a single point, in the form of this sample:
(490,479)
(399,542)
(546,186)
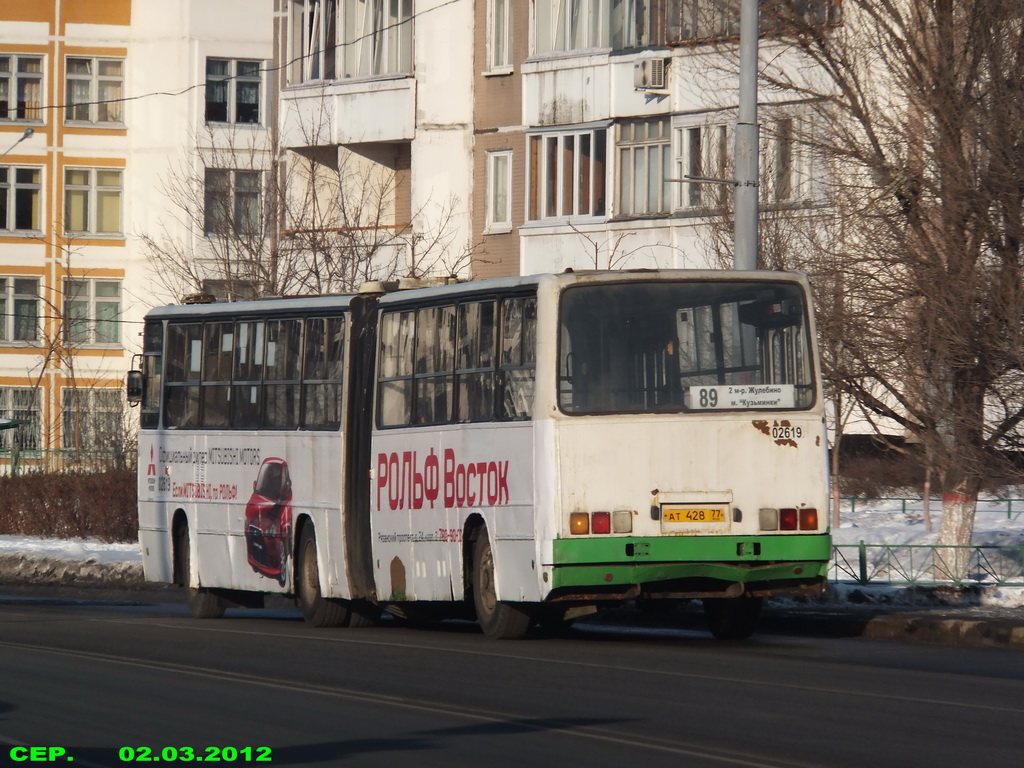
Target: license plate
(692,515)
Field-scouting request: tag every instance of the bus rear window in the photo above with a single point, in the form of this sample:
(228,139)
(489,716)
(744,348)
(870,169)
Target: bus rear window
(665,347)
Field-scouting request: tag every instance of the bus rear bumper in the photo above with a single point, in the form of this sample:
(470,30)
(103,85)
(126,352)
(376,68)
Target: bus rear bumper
(692,567)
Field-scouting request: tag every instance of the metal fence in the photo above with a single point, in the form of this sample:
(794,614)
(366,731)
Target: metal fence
(14,461)
(907,504)
(924,564)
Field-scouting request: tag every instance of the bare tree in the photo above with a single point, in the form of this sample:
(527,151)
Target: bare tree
(919,107)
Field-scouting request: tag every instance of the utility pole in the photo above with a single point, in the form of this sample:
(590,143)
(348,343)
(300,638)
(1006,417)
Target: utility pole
(746,207)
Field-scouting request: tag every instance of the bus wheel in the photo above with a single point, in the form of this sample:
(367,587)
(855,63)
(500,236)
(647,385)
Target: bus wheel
(498,620)
(732,618)
(362,614)
(316,609)
(202,604)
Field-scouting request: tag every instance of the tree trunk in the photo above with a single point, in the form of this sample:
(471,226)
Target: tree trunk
(959,504)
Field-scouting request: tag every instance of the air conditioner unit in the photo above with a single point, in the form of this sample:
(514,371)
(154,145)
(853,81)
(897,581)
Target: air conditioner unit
(650,74)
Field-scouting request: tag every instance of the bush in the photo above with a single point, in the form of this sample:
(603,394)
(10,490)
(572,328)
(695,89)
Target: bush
(97,505)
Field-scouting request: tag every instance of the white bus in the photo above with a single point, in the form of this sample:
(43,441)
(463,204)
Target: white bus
(520,450)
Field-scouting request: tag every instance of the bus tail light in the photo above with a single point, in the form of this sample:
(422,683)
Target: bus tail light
(808,519)
(601,522)
(787,519)
(622,521)
(768,518)
(579,523)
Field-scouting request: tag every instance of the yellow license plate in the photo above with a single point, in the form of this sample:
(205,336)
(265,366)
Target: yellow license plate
(693,515)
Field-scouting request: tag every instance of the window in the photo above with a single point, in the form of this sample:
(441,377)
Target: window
(233,91)
(19,308)
(703,152)
(283,373)
(92,200)
(679,346)
(91,419)
(691,20)
(21,404)
(645,160)
(233,202)
(350,38)
(788,162)
(92,311)
(21,87)
(314,39)
(453,363)
(19,199)
(499,35)
(376,37)
(94,90)
(567,174)
(568,25)
(499,190)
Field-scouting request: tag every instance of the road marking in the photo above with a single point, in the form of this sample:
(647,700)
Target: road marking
(538,725)
(742,681)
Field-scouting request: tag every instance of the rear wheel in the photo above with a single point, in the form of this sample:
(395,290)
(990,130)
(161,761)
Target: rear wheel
(202,604)
(732,618)
(316,609)
(501,621)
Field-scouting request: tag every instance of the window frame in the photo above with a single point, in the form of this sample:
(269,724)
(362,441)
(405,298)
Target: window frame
(95,405)
(15,78)
(549,186)
(86,330)
(11,297)
(228,198)
(231,82)
(499,38)
(30,413)
(713,161)
(101,108)
(628,149)
(498,215)
(11,190)
(96,196)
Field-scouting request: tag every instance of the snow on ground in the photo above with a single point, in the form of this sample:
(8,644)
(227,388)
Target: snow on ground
(889,522)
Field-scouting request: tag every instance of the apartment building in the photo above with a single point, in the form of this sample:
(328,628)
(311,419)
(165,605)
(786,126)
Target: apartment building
(102,103)
(598,133)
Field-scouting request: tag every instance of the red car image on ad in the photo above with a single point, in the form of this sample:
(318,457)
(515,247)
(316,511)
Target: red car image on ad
(268,520)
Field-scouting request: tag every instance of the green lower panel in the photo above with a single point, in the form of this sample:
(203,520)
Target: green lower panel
(742,559)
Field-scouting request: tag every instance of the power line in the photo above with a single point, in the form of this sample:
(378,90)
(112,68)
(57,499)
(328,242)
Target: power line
(263,70)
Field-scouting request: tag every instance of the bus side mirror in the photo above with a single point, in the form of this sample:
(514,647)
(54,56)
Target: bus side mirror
(134,387)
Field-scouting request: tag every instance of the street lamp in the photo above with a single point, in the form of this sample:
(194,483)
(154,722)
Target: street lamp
(28,132)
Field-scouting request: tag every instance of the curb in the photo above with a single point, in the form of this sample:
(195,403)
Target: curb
(945,630)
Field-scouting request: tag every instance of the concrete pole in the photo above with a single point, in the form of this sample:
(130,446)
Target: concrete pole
(746,209)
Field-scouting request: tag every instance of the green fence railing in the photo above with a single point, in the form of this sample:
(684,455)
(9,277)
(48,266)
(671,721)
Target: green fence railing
(911,504)
(928,564)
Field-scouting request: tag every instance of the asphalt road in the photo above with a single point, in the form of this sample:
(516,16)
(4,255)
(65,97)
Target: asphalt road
(91,679)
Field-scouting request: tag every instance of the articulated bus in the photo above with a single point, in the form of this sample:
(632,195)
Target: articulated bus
(521,450)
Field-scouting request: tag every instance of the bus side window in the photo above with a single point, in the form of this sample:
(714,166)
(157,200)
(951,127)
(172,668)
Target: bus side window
(518,357)
(218,348)
(475,366)
(435,364)
(152,371)
(281,373)
(184,371)
(322,372)
(247,389)
(394,386)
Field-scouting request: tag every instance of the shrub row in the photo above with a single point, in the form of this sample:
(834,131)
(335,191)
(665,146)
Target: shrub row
(98,505)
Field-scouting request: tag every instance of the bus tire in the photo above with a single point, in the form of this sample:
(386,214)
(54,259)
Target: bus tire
(498,620)
(202,604)
(316,609)
(732,618)
(362,614)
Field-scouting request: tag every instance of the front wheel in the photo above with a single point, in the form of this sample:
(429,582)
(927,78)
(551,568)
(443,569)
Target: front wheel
(316,609)
(498,620)
(732,618)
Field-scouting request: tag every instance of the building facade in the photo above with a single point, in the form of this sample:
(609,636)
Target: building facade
(101,104)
